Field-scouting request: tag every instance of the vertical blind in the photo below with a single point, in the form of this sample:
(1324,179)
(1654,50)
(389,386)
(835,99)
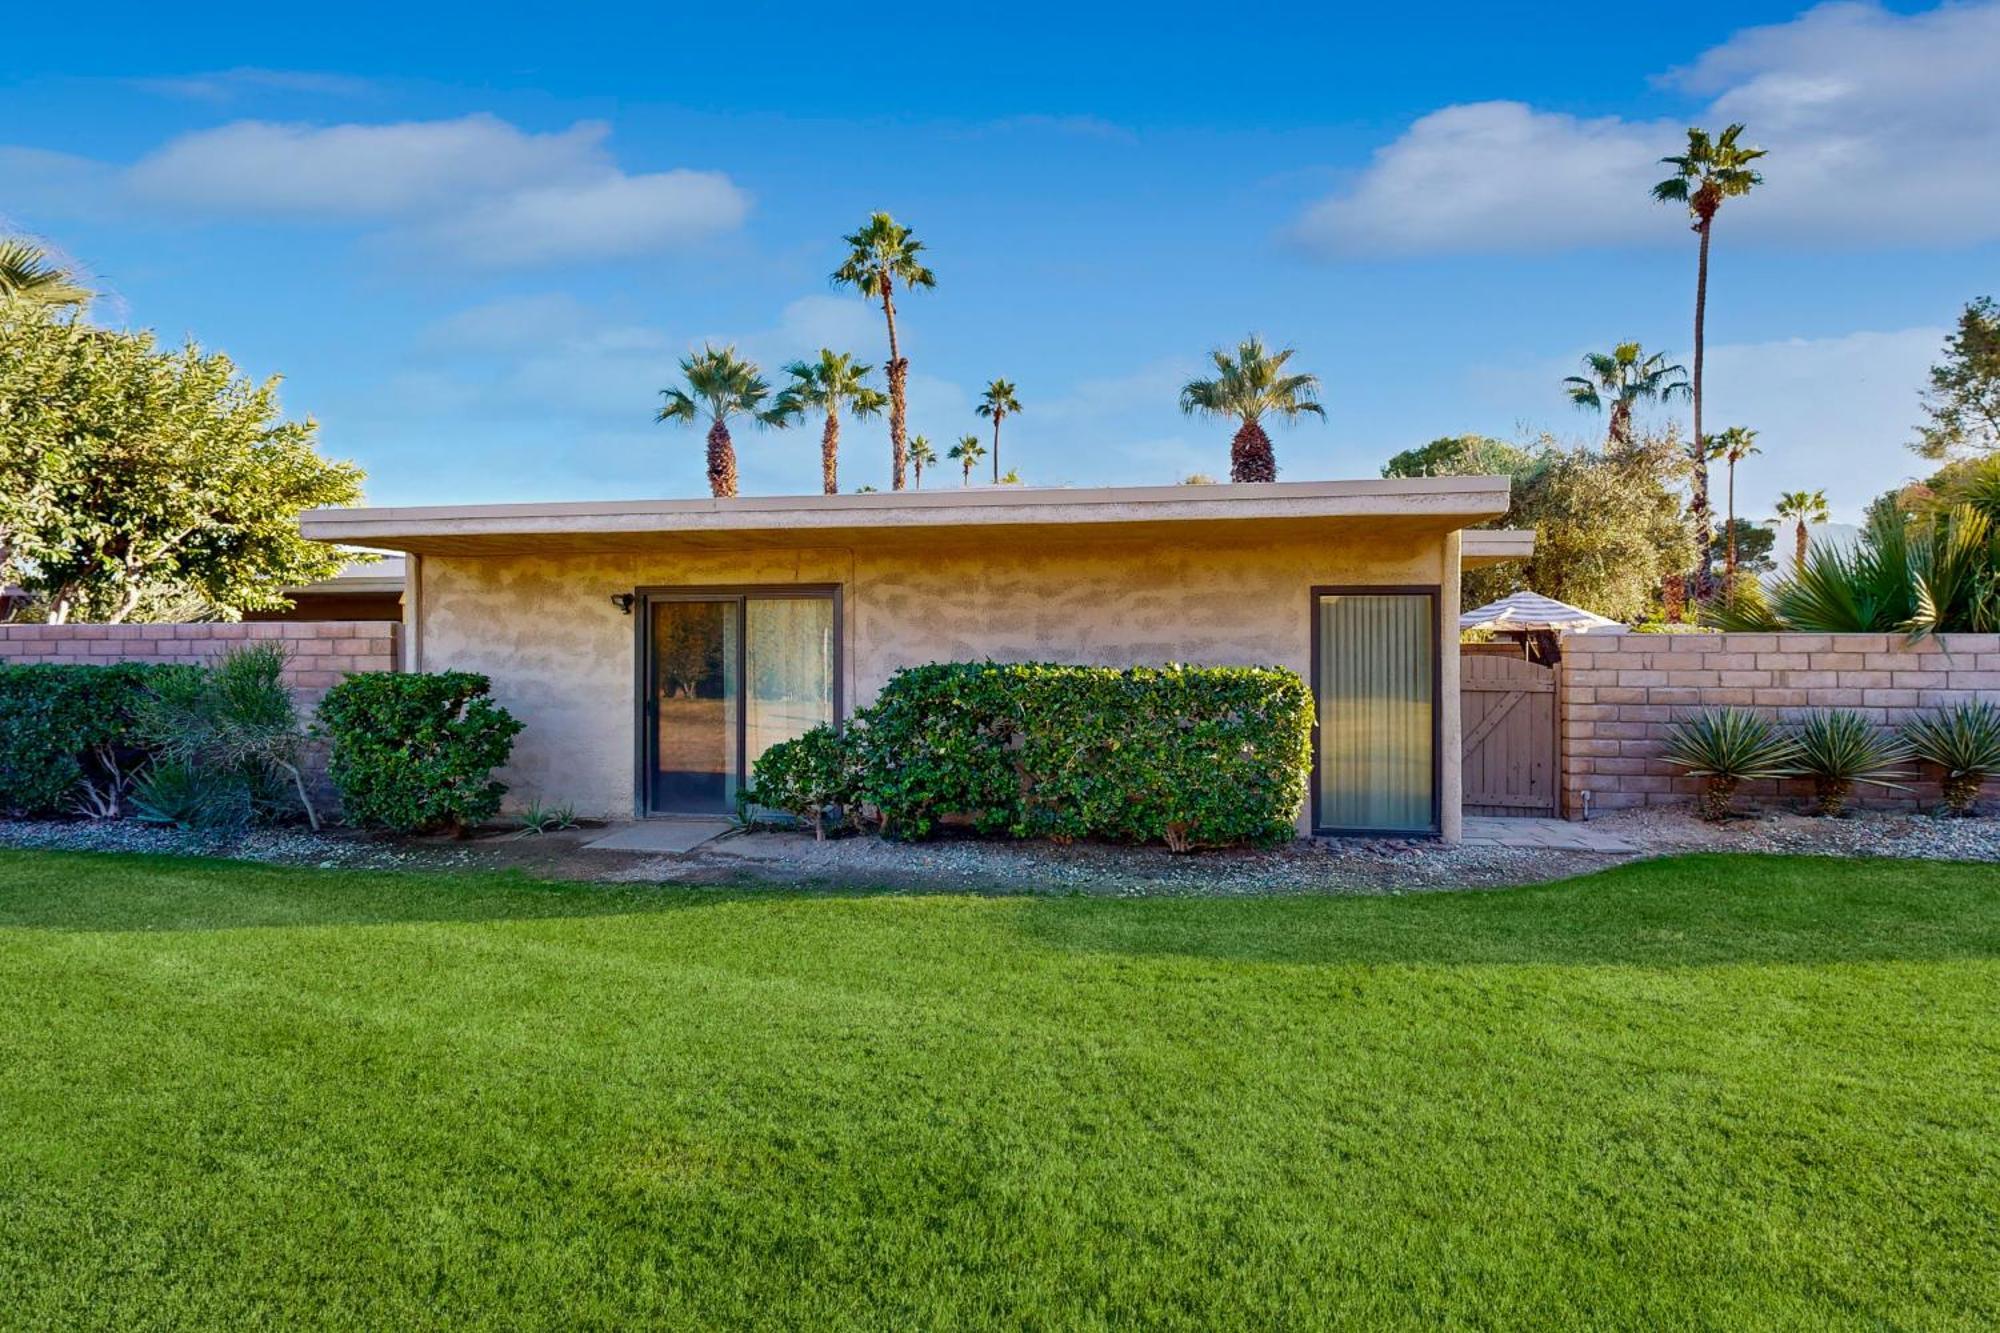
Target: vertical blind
(1376,692)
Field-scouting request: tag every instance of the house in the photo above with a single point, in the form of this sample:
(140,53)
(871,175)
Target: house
(371,591)
(655,648)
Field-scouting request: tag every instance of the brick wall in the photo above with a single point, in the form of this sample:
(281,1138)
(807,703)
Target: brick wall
(321,652)
(1618,693)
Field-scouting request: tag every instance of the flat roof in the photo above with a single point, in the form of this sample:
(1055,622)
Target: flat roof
(1421,504)
(1491,546)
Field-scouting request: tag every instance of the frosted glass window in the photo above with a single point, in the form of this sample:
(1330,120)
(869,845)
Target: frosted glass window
(1376,692)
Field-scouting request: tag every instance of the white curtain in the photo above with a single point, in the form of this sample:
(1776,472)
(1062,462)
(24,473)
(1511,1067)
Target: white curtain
(1375,692)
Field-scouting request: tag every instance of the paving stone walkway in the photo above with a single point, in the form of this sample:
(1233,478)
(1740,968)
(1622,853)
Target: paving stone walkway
(1559,834)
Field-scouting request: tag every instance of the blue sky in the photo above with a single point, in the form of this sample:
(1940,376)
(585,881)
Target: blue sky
(475,243)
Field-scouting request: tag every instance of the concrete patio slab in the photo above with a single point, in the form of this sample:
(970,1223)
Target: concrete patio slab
(659,835)
(1556,834)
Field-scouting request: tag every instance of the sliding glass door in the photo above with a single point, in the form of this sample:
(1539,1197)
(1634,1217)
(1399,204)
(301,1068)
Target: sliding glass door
(1375,678)
(725,676)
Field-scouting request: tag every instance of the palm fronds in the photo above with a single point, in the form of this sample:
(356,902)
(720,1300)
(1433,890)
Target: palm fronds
(1962,740)
(1837,748)
(28,273)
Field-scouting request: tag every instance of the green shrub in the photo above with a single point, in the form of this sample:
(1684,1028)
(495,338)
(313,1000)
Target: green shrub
(1838,748)
(415,753)
(1190,756)
(68,735)
(233,729)
(807,777)
(1726,747)
(1963,741)
(189,796)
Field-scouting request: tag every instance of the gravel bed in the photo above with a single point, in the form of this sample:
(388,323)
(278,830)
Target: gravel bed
(1660,829)
(335,848)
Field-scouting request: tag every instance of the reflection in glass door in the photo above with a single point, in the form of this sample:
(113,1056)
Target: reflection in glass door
(728,677)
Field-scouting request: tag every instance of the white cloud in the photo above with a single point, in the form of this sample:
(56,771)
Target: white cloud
(475,190)
(228,84)
(1882,128)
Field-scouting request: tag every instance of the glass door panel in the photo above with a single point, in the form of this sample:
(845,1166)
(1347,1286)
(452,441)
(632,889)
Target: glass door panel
(1376,696)
(696,694)
(788,676)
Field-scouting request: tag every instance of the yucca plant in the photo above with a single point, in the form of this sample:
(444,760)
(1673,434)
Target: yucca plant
(1837,748)
(1964,741)
(1726,747)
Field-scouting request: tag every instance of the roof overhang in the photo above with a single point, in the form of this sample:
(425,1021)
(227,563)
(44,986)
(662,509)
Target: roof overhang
(1491,546)
(1219,512)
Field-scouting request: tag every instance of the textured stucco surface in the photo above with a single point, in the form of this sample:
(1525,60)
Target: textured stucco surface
(561,656)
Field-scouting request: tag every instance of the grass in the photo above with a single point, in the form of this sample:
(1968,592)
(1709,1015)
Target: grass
(1727,1092)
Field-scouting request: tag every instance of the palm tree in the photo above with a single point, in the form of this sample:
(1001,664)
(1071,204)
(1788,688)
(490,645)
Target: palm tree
(27,273)
(967,453)
(826,384)
(723,385)
(921,457)
(1626,376)
(1732,446)
(998,402)
(881,255)
(1802,507)
(1245,388)
(1711,170)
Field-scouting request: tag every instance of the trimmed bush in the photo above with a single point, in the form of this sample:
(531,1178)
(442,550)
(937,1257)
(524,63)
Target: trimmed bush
(69,739)
(1189,756)
(415,752)
(807,777)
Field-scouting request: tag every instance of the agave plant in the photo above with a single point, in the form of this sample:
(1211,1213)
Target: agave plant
(1837,748)
(1964,741)
(1727,747)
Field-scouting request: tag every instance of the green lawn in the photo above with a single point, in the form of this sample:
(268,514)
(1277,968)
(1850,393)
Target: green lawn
(1728,1092)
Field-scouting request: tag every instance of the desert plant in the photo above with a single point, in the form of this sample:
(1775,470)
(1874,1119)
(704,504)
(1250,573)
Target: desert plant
(1962,740)
(234,724)
(538,818)
(1246,386)
(190,796)
(1726,747)
(827,384)
(414,752)
(1838,748)
(721,385)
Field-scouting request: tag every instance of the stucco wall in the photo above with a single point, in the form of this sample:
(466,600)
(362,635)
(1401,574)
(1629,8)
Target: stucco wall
(561,655)
(1620,693)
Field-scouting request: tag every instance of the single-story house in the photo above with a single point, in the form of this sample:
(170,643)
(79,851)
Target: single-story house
(655,648)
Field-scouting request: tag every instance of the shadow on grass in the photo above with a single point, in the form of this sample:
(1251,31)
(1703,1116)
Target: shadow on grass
(1672,912)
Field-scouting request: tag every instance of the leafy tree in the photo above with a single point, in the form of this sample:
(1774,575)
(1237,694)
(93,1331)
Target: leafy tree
(1732,446)
(1963,401)
(1754,543)
(1246,386)
(921,457)
(1609,527)
(28,274)
(825,385)
(1626,377)
(1802,507)
(880,255)
(131,477)
(724,385)
(1714,168)
(998,403)
(1461,456)
(966,453)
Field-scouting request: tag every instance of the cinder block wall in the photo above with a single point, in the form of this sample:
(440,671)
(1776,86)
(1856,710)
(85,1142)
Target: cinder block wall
(1618,693)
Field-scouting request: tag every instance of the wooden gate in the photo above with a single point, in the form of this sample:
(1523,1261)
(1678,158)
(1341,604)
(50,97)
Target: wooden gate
(1508,707)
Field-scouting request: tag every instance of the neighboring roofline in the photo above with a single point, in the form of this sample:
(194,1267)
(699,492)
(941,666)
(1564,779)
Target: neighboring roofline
(1447,502)
(1491,546)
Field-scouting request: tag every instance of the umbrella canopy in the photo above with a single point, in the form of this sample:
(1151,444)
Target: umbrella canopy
(1532,611)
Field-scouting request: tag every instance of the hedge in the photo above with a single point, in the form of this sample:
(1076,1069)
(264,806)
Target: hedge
(63,725)
(1189,756)
(415,752)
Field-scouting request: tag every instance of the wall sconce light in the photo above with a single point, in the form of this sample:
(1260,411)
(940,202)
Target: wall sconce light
(623,601)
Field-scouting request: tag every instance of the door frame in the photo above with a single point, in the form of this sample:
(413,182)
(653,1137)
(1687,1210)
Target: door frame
(645,598)
(1434,593)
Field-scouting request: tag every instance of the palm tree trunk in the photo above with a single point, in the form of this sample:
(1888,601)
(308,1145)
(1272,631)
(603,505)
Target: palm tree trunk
(1250,457)
(1704,526)
(829,453)
(996,446)
(1729,526)
(1621,424)
(721,461)
(1799,555)
(899,371)
(966,480)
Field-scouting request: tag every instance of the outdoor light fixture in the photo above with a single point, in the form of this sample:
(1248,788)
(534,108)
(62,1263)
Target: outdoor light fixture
(623,601)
